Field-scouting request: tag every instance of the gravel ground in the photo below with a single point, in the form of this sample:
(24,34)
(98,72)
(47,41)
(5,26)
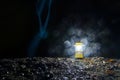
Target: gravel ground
(37,68)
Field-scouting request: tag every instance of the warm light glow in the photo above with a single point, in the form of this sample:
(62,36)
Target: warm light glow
(79,47)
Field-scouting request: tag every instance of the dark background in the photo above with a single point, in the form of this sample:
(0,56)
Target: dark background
(19,22)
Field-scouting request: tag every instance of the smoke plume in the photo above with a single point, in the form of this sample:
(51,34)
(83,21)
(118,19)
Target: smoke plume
(88,30)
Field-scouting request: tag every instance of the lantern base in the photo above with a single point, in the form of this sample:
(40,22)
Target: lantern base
(79,55)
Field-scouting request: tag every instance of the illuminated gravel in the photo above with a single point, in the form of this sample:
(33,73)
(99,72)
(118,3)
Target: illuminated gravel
(96,68)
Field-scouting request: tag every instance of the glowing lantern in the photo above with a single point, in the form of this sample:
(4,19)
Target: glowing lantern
(79,47)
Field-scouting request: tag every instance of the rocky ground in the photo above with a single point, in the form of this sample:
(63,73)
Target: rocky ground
(95,68)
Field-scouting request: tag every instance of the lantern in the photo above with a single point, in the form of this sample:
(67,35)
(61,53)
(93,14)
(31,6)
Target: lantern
(79,48)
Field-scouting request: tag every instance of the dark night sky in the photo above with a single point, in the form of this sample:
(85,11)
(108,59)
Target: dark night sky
(19,22)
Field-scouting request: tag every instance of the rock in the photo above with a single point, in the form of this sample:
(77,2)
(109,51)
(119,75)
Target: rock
(65,78)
